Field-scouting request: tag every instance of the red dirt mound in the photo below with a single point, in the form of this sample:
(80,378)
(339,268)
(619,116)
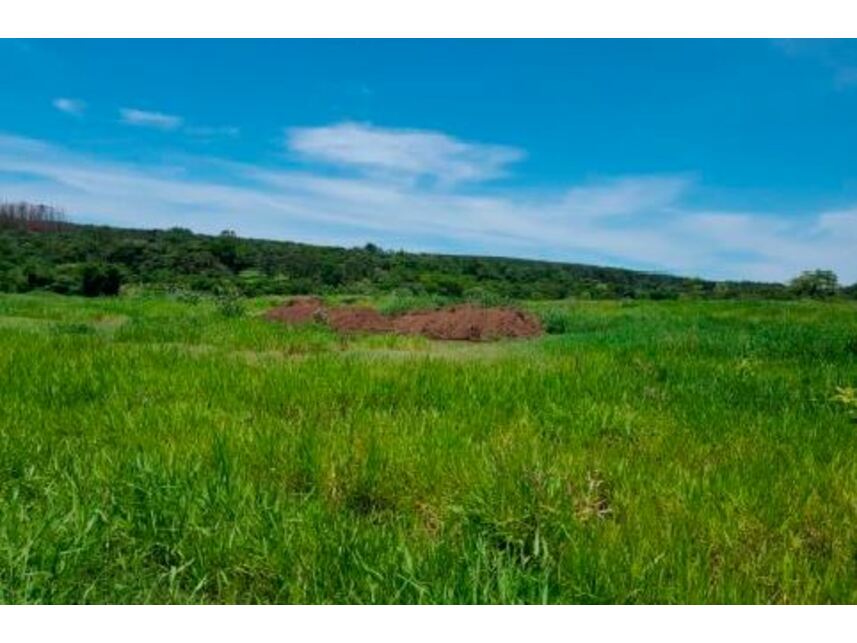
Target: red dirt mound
(357,318)
(466,322)
(300,310)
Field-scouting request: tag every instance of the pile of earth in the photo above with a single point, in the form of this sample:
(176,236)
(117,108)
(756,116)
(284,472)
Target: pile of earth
(468,323)
(465,322)
(300,310)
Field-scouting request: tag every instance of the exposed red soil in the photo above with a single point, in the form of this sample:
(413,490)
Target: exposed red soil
(465,322)
(300,310)
(348,319)
(468,323)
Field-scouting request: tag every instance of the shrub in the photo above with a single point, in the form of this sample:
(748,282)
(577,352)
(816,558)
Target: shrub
(100,279)
(556,321)
(185,295)
(67,279)
(13,280)
(815,283)
(230,303)
(484,297)
(393,305)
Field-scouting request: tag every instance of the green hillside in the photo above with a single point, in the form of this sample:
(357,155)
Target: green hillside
(82,259)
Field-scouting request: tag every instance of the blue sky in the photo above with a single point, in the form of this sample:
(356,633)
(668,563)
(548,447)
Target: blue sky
(725,159)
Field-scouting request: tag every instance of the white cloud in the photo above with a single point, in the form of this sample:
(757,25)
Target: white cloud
(842,224)
(626,196)
(169,122)
(404,153)
(72,106)
(156,120)
(634,221)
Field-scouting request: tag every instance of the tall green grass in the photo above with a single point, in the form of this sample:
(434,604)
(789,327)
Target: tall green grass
(156,450)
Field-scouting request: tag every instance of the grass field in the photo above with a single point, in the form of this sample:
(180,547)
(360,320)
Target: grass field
(154,450)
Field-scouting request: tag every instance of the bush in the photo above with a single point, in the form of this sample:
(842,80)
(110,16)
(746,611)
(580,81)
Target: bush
(38,275)
(13,280)
(663,294)
(484,297)
(557,321)
(230,303)
(184,295)
(100,279)
(815,283)
(394,305)
(67,279)
(442,284)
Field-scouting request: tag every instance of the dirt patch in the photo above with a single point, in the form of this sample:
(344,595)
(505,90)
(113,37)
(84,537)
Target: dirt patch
(348,319)
(466,322)
(300,310)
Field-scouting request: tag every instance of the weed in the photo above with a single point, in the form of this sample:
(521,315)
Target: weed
(230,303)
(846,396)
(556,321)
(593,502)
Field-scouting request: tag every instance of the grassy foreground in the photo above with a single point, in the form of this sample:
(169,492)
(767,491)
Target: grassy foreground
(156,451)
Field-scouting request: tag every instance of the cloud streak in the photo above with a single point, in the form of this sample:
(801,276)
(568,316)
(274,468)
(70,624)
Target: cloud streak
(634,221)
(73,106)
(170,122)
(404,153)
(156,120)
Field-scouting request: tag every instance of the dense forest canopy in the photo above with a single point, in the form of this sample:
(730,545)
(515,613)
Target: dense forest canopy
(40,250)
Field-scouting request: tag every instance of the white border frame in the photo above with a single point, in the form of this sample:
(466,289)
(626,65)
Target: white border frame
(428,18)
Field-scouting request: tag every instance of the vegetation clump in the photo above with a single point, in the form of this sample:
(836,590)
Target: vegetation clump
(818,284)
(230,303)
(846,396)
(99,279)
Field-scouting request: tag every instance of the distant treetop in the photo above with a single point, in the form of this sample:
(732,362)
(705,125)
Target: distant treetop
(35,217)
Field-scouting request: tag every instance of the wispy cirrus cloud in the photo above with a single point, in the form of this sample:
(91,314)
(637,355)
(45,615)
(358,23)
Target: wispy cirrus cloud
(639,221)
(405,153)
(625,196)
(842,223)
(156,120)
(73,106)
(171,122)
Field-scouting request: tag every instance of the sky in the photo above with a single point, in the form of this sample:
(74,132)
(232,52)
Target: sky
(726,159)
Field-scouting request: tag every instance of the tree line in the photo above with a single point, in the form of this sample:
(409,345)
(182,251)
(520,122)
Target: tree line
(49,253)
